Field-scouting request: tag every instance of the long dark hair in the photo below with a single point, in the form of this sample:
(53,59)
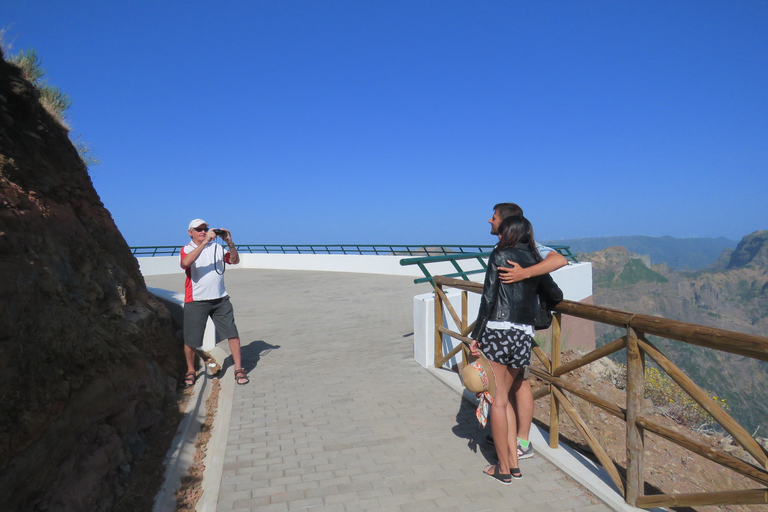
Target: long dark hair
(517,230)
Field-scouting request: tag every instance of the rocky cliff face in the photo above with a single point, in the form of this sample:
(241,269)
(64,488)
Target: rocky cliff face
(752,252)
(732,295)
(87,357)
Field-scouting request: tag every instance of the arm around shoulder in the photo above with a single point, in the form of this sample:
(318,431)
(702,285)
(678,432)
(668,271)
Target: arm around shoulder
(553,261)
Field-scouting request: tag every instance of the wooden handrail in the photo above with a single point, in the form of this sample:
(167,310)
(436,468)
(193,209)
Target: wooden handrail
(722,458)
(700,499)
(739,343)
(637,327)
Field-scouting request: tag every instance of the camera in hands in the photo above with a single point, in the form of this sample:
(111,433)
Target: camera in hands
(220,232)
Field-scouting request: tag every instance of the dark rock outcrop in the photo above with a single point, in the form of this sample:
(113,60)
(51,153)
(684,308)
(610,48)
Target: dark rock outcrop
(751,251)
(87,355)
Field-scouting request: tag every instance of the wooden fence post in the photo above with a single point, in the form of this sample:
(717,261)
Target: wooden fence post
(554,404)
(635,403)
(438,323)
(464,322)
(464,312)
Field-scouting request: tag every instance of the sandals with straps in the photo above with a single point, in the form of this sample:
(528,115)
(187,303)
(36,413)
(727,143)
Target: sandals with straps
(240,375)
(504,478)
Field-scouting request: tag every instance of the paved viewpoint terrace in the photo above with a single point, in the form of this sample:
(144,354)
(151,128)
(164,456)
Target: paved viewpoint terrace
(339,417)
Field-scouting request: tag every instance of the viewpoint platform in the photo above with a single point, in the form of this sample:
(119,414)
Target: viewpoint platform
(339,417)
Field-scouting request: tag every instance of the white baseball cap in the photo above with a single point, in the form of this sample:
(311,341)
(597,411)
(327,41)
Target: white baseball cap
(196,223)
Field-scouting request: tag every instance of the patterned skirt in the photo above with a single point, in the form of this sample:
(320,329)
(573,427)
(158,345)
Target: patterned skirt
(510,347)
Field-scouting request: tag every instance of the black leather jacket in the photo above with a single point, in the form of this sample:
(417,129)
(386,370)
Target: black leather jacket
(516,302)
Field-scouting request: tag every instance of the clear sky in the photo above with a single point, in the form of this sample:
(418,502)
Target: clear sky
(406,121)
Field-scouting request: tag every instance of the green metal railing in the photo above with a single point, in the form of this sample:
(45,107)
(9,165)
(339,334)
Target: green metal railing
(362,249)
(156,250)
(454,259)
(565,250)
(379,250)
(481,257)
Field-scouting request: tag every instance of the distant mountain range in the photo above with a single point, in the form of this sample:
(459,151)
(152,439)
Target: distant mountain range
(731,293)
(678,253)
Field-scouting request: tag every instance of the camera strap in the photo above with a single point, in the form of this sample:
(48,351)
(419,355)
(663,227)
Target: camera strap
(223,261)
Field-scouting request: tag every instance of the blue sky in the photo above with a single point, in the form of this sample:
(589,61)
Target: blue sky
(406,121)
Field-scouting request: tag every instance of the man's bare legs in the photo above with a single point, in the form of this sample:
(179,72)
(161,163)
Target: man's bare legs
(521,388)
(234,347)
(189,357)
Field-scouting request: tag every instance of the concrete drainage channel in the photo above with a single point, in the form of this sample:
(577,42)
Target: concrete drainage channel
(181,454)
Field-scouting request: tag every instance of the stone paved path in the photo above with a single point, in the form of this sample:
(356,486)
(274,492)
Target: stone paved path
(339,418)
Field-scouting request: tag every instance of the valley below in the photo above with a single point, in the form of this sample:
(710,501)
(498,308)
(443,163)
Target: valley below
(731,293)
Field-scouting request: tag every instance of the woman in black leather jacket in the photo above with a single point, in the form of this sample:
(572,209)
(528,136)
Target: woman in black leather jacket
(504,333)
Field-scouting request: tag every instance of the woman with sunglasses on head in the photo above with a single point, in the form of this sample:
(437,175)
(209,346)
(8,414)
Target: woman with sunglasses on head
(504,333)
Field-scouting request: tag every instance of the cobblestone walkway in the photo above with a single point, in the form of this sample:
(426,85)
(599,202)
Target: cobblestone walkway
(338,417)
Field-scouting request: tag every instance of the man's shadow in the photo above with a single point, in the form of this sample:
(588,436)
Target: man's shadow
(252,352)
(250,355)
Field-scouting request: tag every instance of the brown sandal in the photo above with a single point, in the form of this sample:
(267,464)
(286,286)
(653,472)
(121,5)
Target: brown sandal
(241,375)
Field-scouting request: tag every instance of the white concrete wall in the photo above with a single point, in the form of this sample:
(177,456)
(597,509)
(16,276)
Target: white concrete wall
(574,279)
(366,264)
(424,324)
(161,265)
(369,264)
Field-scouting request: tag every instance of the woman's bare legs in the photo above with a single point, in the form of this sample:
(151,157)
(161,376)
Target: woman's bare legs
(503,419)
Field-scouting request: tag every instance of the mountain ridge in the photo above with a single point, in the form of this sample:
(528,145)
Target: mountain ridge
(678,253)
(732,295)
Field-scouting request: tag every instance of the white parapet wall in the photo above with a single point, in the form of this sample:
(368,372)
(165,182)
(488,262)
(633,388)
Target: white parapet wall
(160,265)
(574,279)
(367,264)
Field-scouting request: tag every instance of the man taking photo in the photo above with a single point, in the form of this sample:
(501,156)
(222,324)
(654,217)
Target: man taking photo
(205,296)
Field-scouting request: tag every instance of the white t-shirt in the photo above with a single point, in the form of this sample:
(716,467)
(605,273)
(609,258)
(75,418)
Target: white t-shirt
(203,281)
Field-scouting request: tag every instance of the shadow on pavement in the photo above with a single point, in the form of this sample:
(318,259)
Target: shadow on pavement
(252,353)
(467,427)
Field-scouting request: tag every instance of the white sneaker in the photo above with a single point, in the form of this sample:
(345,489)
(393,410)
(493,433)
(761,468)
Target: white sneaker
(524,454)
(521,454)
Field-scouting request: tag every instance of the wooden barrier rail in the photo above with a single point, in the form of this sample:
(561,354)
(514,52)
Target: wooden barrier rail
(634,415)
